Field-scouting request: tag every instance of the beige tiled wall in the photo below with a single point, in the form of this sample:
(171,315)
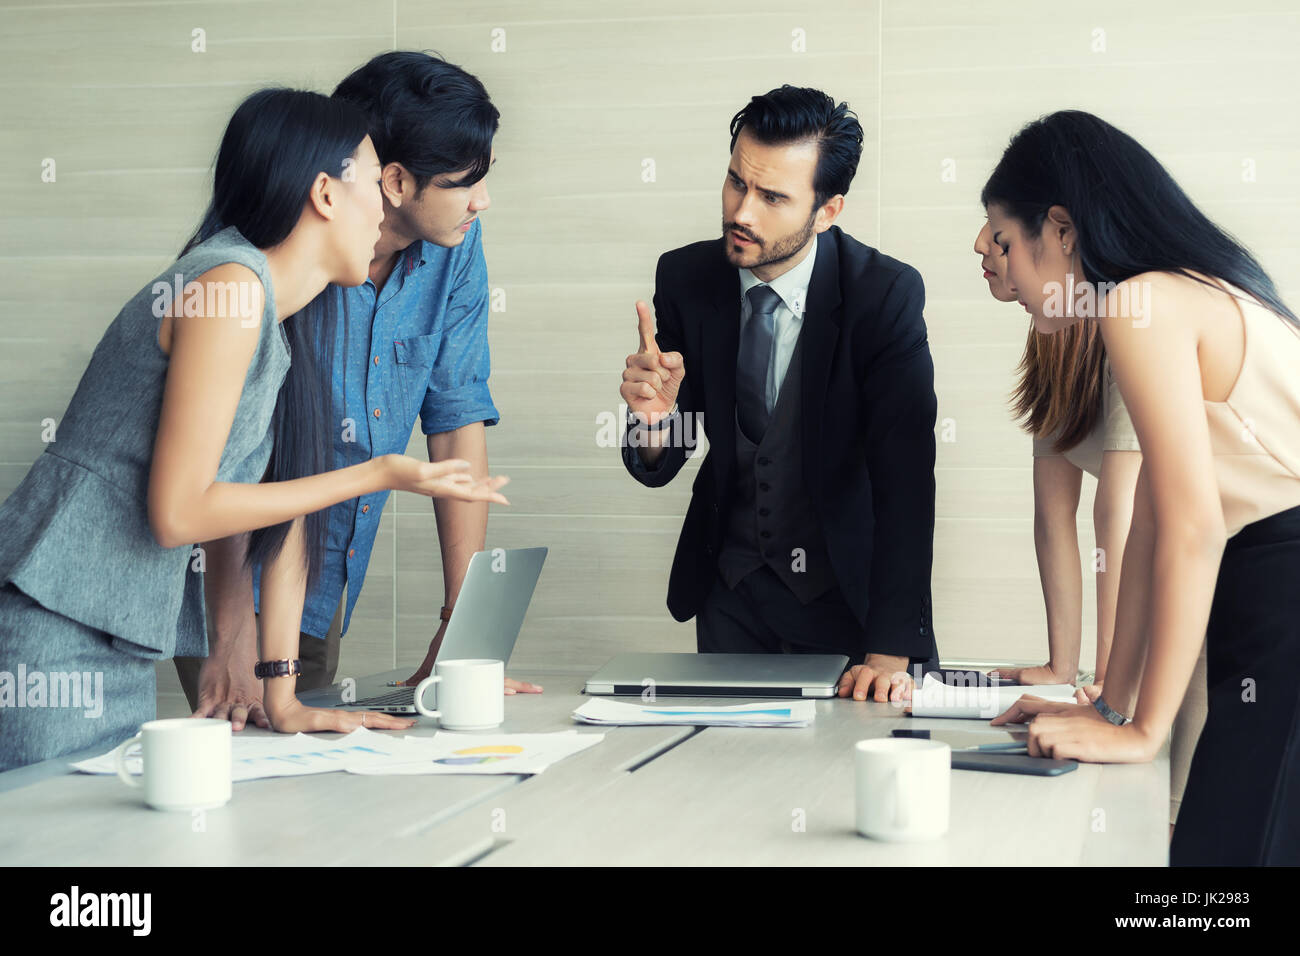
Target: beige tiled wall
(588,90)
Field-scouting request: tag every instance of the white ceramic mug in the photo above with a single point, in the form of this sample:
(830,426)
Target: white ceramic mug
(471,694)
(903,788)
(187,763)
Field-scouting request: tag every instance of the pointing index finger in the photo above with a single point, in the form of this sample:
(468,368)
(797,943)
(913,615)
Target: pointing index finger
(646,328)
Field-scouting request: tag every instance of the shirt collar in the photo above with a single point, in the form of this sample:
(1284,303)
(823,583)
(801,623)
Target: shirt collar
(410,259)
(416,255)
(791,286)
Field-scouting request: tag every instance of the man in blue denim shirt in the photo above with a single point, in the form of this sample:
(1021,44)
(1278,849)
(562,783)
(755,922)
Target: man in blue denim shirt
(413,343)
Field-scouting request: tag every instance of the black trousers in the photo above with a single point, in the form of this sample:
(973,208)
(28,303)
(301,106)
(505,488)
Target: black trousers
(1242,802)
(763,616)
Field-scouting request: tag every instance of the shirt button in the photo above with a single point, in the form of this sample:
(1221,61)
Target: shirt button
(365,508)
(764,486)
(764,512)
(765,461)
(765,534)
(376,413)
(376,359)
(352,552)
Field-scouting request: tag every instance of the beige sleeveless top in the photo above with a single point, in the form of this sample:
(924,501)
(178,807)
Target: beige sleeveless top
(1113,432)
(1255,433)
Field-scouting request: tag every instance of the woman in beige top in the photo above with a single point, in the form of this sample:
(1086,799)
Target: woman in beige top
(1207,357)
(1068,400)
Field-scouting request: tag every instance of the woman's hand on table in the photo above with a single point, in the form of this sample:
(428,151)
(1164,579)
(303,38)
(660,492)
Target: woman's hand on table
(1077,731)
(292,717)
(1028,707)
(1075,737)
(1092,691)
(521,687)
(1043,674)
(512,686)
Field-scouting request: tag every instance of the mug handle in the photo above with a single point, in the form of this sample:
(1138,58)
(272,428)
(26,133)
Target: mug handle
(419,696)
(119,758)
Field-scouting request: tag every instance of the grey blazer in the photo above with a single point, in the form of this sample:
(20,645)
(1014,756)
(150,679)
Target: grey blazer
(76,530)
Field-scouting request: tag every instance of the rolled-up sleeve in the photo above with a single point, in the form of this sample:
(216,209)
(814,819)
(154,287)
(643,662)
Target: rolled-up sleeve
(458,391)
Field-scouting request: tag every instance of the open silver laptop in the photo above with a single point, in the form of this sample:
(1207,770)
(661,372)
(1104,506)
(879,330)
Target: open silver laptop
(721,675)
(489,610)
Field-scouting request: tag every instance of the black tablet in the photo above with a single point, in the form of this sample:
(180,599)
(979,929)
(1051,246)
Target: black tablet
(1011,763)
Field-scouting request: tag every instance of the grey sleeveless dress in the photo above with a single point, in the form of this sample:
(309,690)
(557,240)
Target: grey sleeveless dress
(85,590)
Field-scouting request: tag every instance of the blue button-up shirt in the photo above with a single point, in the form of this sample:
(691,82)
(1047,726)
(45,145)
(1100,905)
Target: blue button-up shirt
(418,347)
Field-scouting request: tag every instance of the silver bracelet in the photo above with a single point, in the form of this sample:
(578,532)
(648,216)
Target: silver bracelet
(1114,716)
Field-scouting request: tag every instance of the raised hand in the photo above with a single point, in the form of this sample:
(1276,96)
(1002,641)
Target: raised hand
(652,378)
(441,479)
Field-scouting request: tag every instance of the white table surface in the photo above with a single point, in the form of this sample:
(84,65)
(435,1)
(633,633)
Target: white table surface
(645,795)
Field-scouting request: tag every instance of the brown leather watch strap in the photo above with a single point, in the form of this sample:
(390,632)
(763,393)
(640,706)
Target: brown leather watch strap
(284,668)
(445,613)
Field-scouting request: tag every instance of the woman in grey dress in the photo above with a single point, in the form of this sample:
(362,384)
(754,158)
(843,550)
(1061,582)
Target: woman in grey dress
(191,424)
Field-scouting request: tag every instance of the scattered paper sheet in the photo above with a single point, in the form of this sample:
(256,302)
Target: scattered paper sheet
(780,713)
(254,758)
(445,753)
(934,698)
(367,752)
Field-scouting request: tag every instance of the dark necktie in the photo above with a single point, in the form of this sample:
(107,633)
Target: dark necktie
(752,360)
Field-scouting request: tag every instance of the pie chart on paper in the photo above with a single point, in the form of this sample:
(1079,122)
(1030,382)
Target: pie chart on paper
(488,753)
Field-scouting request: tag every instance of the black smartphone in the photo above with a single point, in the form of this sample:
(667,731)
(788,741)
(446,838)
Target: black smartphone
(1011,763)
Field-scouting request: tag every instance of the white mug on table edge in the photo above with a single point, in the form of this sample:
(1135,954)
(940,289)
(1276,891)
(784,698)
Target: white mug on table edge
(469,694)
(902,788)
(187,763)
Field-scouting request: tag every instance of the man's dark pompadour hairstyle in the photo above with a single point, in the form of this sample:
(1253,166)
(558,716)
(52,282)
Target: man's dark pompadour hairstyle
(794,114)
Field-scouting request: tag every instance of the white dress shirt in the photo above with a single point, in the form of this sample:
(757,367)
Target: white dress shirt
(792,287)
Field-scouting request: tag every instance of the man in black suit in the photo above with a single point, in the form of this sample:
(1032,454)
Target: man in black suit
(802,353)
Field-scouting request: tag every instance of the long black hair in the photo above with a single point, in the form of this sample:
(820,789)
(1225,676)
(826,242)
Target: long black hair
(276,143)
(1132,217)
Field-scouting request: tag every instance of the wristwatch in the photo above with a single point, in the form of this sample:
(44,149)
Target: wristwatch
(637,420)
(445,613)
(1114,716)
(277,668)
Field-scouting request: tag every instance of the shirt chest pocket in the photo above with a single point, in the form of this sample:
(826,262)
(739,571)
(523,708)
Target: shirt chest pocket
(419,350)
(415,358)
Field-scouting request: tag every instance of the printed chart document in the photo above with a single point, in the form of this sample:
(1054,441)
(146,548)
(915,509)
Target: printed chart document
(934,698)
(447,752)
(780,713)
(254,758)
(368,752)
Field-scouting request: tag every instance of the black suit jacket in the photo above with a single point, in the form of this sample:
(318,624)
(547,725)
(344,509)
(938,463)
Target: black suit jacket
(868,415)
